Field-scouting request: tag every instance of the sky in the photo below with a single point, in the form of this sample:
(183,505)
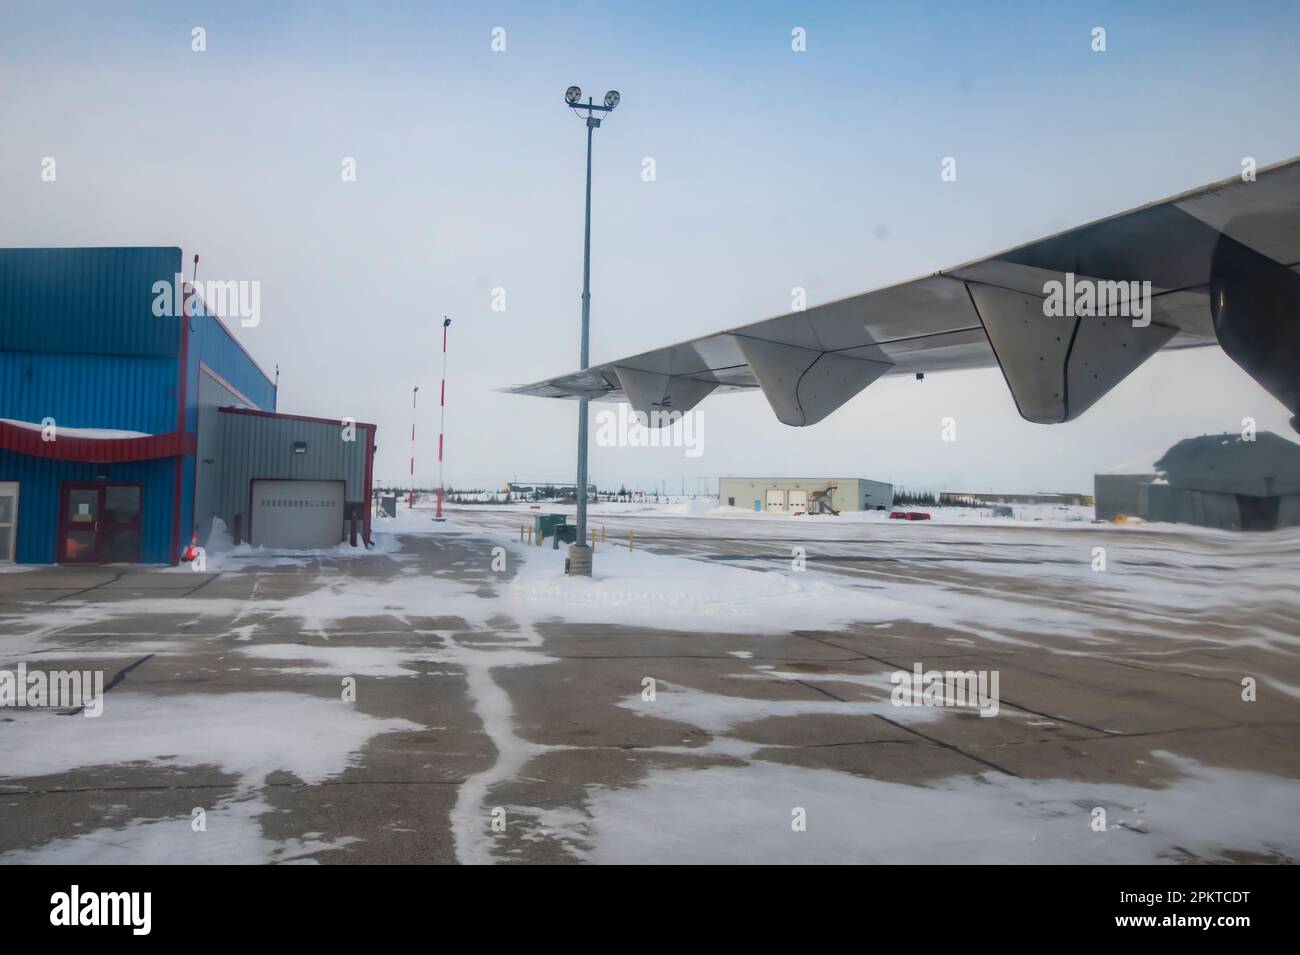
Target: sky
(774,169)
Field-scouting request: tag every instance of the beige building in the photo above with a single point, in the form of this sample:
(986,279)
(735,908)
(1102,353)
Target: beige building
(804,495)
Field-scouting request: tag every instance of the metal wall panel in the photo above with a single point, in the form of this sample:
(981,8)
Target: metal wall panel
(873,494)
(96,301)
(851,494)
(258,447)
(89,391)
(41,481)
(79,343)
(1288,511)
(1116,494)
(1172,505)
(215,345)
(211,439)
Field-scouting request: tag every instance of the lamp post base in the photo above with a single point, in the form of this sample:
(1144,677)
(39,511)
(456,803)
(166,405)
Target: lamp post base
(578,563)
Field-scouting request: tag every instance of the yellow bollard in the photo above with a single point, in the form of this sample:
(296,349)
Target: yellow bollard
(602,533)
(631,541)
(593,540)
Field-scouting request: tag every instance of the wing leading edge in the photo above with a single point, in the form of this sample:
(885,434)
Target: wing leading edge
(1233,236)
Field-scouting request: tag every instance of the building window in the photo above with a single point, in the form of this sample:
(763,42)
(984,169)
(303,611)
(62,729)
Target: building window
(300,447)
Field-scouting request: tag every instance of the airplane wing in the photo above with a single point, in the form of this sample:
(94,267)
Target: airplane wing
(1234,242)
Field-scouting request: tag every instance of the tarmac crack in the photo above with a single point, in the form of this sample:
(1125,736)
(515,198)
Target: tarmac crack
(1010,703)
(85,590)
(118,677)
(907,729)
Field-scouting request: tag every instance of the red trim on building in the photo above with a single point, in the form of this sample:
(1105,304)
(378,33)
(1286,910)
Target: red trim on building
(181,395)
(66,447)
(257,412)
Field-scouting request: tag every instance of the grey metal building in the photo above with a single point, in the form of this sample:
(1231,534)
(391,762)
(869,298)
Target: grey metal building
(280,480)
(1213,481)
(804,495)
(1116,495)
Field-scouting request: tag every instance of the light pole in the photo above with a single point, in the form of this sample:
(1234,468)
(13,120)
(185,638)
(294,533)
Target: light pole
(442,414)
(579,564)
(410,500)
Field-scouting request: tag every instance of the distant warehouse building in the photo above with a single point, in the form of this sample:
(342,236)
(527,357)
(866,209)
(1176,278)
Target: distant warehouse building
(804,495)
(1212,481)
(124,432)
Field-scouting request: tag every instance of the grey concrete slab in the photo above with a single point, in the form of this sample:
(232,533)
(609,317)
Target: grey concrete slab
(1095,698)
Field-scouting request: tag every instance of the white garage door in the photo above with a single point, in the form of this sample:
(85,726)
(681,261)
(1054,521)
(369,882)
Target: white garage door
(298,514)
(775,499)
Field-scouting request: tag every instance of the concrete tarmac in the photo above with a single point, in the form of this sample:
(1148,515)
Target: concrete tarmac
(465,742)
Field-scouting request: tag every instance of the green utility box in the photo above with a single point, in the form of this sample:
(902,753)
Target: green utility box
(544,525)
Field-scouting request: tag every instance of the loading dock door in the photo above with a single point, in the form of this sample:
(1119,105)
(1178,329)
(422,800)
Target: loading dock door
(296,514)
(798,502)
(775,499)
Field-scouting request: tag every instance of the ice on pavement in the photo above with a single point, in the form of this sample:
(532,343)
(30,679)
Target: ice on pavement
(721,813)
(739,815)
(247,735)
(233,836)
(250,735)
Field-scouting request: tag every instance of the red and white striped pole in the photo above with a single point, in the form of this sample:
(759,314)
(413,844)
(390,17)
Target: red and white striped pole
(442,412)
(410,500)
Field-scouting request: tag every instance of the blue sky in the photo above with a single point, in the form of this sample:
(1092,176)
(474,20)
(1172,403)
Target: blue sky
(775,169)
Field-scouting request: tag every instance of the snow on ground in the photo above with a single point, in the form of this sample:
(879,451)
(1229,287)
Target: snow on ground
(744,815)
(248,734)
(716,713)
(676,593)
(664,592)
(343,661)
(221,553)
(671,592)
(709,507)
(234,836)
(713,814)
(1074,516)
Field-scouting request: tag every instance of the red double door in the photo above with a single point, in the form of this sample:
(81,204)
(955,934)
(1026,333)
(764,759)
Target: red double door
(99,524)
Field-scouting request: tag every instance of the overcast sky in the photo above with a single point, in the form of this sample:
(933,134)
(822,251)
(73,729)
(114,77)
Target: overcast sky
(774,169)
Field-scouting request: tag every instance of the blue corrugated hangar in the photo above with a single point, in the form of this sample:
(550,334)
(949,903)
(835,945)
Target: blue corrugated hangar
(125,433)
